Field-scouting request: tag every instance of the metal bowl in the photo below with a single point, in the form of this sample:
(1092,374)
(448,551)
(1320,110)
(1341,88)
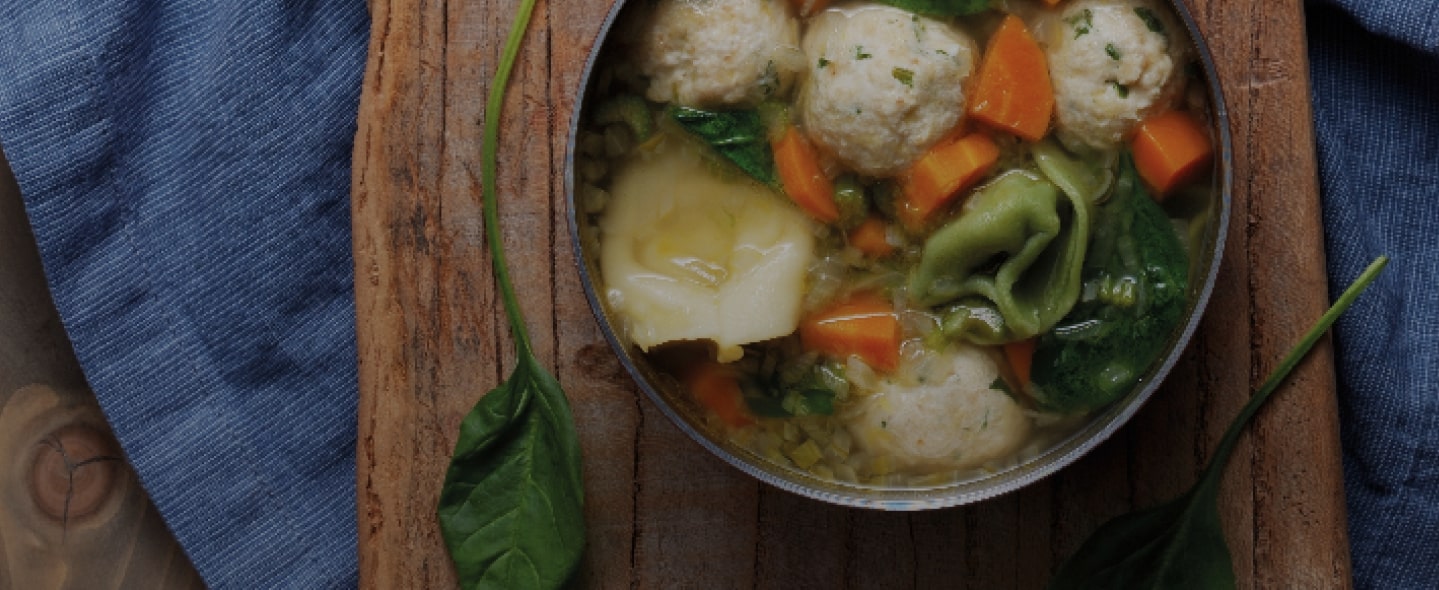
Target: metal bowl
(1097,428)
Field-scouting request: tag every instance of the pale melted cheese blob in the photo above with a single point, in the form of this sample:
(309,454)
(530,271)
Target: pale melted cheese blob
(687,255)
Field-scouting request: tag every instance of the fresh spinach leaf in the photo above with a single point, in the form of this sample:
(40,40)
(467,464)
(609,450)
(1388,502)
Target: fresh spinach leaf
(942,7)
(737,135)
(1180,544)
(512,506)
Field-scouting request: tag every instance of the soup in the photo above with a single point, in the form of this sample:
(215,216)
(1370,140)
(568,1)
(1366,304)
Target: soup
(890,249)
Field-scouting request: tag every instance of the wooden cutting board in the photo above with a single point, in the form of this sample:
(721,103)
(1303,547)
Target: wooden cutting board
(661,511)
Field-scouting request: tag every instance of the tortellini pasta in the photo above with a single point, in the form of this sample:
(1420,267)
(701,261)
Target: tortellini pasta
(1010,264)
(690,255)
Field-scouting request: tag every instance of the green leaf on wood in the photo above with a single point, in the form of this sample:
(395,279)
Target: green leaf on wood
(1180,545)
(512,506)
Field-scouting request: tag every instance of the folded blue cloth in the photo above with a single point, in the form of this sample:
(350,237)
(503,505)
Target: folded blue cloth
(185,165)
(186,168)
(1376,110)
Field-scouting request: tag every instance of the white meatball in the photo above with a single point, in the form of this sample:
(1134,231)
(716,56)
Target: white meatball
(714,53)
(1113,62)
(945,417)
(884,85)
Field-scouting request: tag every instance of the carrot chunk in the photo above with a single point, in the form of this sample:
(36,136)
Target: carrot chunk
(1021,358)
(716,387)
(869,237)
(1170,149)
(936,179)
(1013,92)
(804,182)
(864,325)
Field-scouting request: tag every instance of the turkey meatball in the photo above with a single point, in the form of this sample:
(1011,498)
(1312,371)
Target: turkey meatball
(884,85)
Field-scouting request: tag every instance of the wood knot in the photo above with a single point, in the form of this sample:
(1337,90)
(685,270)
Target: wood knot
(73,472)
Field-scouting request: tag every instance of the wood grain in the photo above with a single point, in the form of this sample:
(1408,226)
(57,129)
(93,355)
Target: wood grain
(661,511)
(72,512)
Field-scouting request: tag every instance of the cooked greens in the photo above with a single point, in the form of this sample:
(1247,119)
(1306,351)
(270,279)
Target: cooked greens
(738,135)
(942,8)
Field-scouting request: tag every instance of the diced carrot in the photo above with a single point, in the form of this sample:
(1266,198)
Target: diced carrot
(864,325)
(809,7)
(803,181)
(870,237)
(1052,3)
(716,387)
(1170,149)
(1021,358)
(1013,91)
(936,179)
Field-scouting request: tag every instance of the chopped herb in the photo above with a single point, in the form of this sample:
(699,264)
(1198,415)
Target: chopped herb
(1000,385)
(860,54)
(1112,51)
(884,423)
(823,62)
(1150,20)
(769,80)
(1120,89)
(904,76)
(942,52)
(1081,22)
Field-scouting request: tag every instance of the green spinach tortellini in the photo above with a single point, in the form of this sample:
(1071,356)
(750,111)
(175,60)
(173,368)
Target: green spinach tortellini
(1008,267)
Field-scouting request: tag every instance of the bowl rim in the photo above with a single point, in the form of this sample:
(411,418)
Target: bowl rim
(1063,453)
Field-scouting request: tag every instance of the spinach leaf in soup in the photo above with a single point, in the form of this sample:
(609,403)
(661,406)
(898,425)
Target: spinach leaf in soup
(1135,291)
(738,135)
(942,8)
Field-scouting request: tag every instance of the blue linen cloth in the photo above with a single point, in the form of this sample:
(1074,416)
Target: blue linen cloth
(185,165)
(1375,74)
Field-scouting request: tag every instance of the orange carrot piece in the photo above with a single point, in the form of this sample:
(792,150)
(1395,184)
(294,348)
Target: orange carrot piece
(803,181)
(1013,92)
(870,238)
(809,7)
(864,325)
(936,179)
(1170,149)
(716,387)
(1021,358)
(1052,3)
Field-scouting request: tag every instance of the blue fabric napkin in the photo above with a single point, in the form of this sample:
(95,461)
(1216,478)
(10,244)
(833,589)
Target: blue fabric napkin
(185,165)
(1375,75)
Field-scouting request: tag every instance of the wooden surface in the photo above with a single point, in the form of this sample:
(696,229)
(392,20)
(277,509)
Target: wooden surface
(72,513)
(662,513)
